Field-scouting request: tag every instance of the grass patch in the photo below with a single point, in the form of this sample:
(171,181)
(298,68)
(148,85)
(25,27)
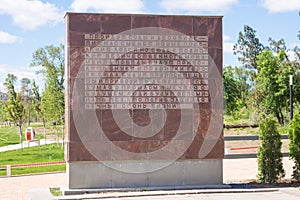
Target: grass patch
(35,125)
(9,135)
(56,191)
(283,130)
(45,153)
(34,170)
(228,119)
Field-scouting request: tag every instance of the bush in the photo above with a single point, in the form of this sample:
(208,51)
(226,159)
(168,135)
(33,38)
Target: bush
(270,168)
(294,146)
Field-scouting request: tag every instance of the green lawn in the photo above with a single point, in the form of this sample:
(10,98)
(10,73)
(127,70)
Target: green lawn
(45,153)
(9,135)
(35,170)
(228,119)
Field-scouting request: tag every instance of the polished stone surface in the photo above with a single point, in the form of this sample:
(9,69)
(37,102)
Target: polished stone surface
(143,100)
(78,25)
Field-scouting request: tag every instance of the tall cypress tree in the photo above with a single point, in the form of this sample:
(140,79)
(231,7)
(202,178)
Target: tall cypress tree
(270,168)
(294,146)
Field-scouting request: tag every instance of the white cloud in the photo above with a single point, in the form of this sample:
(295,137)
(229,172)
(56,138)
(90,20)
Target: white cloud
(227,45)
(197,5)
(280,6)
(20,72)
(291,55)
(31,14)
(2,88)
(108,6)
(293,45)
(226,38)
(6,38)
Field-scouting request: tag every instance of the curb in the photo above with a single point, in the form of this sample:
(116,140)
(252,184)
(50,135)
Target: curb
(104,194)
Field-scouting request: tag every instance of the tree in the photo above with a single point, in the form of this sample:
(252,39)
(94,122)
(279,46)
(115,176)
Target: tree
(3,117)
(52,61)
(14,107)
(26,96)
(248,47)
(9,84)
(295,65)
(236,89)
(294,146)
(36,103)
(270,168)
(272,84)
(276,46)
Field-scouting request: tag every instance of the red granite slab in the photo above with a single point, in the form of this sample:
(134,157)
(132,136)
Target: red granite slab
(95,134)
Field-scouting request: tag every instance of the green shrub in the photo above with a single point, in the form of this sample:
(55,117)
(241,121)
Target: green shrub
(294,146)
(270,168)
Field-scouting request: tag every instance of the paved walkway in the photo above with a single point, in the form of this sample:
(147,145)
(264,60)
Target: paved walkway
(17,188)
(25,144)
(235,170)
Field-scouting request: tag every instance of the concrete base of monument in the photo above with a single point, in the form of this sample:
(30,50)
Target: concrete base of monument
(179,174)
(168,189)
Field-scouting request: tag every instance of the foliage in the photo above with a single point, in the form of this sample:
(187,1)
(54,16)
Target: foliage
(56,191)
(294,146)
(51,58)
(276,46)
(270,168)
(14,107)
(269,89)
(52,104)
(52,61)
(36,104)
(3,115)
(272,91)
(236,89)
(295,65)
(248,47)
(26,96)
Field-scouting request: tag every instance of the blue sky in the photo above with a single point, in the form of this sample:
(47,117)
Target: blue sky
(28,25)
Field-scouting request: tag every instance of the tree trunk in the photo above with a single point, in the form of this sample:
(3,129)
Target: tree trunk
(29,117)
(44,125)
(20,134)
(282,118)
(278,117)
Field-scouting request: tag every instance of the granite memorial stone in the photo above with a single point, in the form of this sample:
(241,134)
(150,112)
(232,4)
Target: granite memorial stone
(143,100)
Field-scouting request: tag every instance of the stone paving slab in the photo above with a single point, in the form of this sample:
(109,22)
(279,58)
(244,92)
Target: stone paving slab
(17,188)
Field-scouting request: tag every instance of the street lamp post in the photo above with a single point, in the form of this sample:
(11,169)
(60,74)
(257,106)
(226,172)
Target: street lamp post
(291,95)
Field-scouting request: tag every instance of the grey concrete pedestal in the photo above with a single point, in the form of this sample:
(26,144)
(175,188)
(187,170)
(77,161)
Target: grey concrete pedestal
(89,175)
